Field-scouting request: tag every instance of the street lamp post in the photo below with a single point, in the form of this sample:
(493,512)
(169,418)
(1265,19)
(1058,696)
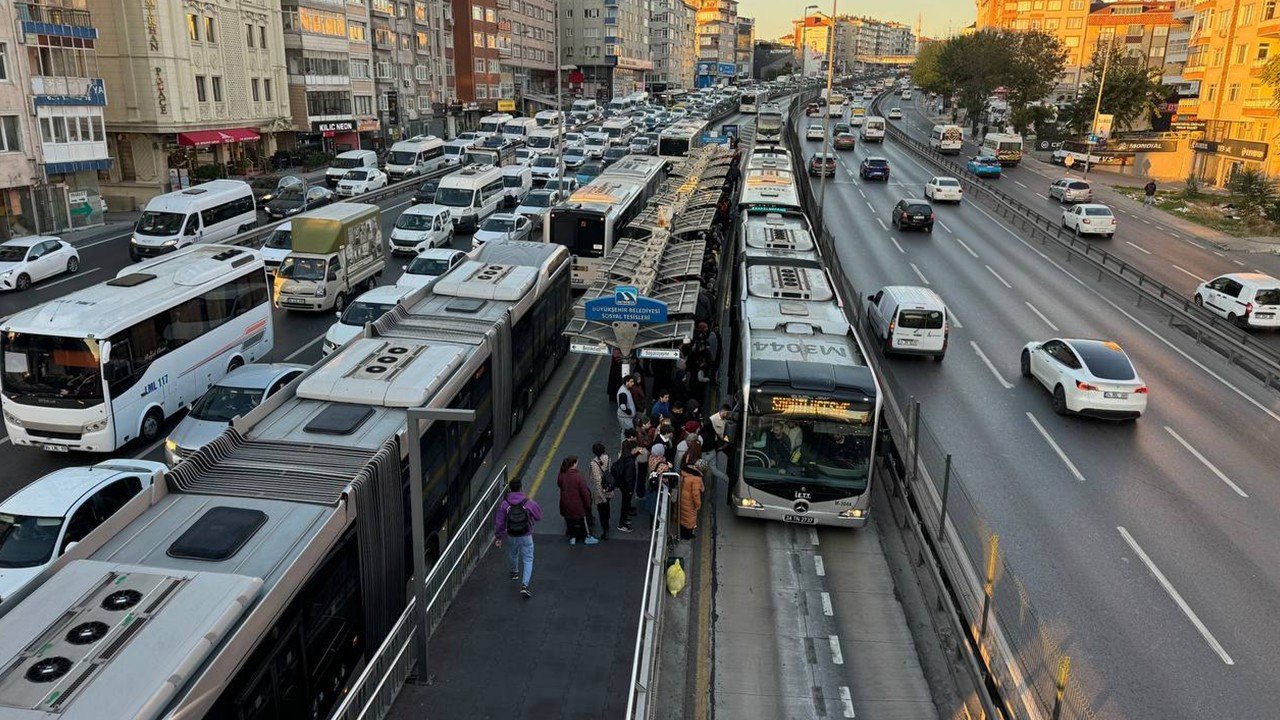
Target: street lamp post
(564,119)
(1097,108)
(826,134)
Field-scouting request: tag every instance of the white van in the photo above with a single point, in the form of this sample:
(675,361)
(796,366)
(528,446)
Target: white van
(420,227)
(909,320)
(549,118)
(415,156)
(586,106)
(545,139)
(277,245)
(1250,300)
(205,213)
(491,125)
(517,181)
(947,139)
(621,105)
(349,160)
(455,151)
(471,194)
(619,130)
(872,129)
(518,129)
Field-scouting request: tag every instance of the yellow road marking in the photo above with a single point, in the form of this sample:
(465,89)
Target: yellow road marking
(568,420)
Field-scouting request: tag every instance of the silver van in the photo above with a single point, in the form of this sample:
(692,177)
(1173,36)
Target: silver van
(909,320)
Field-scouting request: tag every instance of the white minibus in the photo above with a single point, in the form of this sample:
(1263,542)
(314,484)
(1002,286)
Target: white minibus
(205,213)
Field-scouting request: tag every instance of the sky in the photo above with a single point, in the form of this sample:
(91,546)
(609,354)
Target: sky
(773,17)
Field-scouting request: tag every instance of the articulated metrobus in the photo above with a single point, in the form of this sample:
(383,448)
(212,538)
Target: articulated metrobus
(105,365)
(681,137)
(257,580)
(752,100)
(769,124)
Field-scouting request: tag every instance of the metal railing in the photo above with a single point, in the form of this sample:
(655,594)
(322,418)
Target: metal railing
(1235,344)
(374,691)
(641,703)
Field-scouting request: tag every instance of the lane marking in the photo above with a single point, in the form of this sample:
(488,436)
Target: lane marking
(818,566)
(1137,247)
(966,247)
(568,420)
(895,244)
(1146,221)
(1002,280)
(1175,234)
(1219,254)
(837,657)
(955,320)
(871,207)
(846,702)
(1238,263)
(96,243)
(1019,184)
(826,605)
(1044,197)
(919,274)
(860,190)
(1062,455)
(4,440)
(944,226)
(1040,315)
(1177,598)
(77,276)
(990,365)
(1205,461)
(1184,271)
(304,348)
(882,225)
(813,536)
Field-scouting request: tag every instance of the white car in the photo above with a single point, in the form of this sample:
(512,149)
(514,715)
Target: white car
(537,205)
(429,265)
(545,166)
(420,227)
(1088,377)
(895,113)
(944,188)
(1250,300)
(30,259)
(573,140)
(595,145)
(525,155)
(238,392)
(502,227)
(369,306)
(815,132)
(44,519)
(1071,190)
(1090,219)
(363,180)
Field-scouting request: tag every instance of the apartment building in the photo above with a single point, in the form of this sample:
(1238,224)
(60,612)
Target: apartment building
(404,52)
(528,64)
(1067,19)
(716,30)
(1141,26)
(1176,50)
(608,43)
(1230,41)
(52,137)
(672,42)
(477,48)
(744,45)
(329,62)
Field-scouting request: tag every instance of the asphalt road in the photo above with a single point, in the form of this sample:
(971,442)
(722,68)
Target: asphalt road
(1147,548)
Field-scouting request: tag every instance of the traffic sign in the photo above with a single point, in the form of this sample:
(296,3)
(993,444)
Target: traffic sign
(626,305)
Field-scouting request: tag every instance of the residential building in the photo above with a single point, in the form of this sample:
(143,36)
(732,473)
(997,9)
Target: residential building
(476,55)
(52,138)
(1142,26)
(329,61)
(529,61)
(744,45)
(717,36)
(1176,50)
(403,53)
(672,43)
(857,40)
(1230,42)
(608,43)
(1067,19)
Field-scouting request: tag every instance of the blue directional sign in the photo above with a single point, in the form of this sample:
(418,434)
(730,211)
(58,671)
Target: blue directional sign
(626,305)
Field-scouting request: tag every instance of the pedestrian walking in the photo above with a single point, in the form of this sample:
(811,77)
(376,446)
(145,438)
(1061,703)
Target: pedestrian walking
(691,487)
(624,472)
(626,406)
(575,502)
(601,486)
(513,527)
(1150,191)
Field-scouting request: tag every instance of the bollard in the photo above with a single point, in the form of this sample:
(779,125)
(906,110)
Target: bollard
(946,489)
(1064,670)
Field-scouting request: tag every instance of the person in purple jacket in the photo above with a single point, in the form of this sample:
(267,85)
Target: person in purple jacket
(513,526)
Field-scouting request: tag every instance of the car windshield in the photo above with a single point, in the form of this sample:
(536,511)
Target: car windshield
(341,162)
(496,224)
(54,368)
(303,268)
(591,169)
(538,199)
(512,181)
(544,162)
(414,221)
(1105,360)
(597,141)
(427,266)
(280,240)
(355,175)
(615,153)
(13,253)
(154,222)
(539,141)
(429,187)
(455,197)
(810,443)
(358,313)
(401,157)
(222,403)
(290,196)
(27,541)
(1098,211)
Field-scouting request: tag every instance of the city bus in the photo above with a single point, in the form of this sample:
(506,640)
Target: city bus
(102,366)
(682,136)
(752,100)
(769,124)
(260,579)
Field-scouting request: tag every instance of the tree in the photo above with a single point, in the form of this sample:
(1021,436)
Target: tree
(1131,93)
(1253,190)
(927,71)
(1036,60)
(974,66)
(1271,76)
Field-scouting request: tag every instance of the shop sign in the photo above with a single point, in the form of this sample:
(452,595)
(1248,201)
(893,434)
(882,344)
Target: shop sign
(367,125)
(1188,125)
(627,63)
(1242,149)
(506,106)
(1136,146)
(333,126)
(729,69)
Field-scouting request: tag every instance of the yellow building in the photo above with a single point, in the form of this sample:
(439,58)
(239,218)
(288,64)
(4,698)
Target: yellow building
(1067,19)
(1230,42)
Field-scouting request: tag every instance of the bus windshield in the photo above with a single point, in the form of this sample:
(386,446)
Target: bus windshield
(303,268)
(816,441)
(52,368)
(673,146)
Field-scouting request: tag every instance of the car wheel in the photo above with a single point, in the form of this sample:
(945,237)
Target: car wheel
(340,302)
(1059,400)
(938,358)
(152,423)
(1199,301)
(236,362)
(1235,320)
(928,228)
(887,346)
(24,281)
(1109,235)
(73,264)
(1077,231)
(1024,364)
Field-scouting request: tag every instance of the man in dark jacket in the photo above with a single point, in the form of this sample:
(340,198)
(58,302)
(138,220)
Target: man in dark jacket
(513,526)
(626,480)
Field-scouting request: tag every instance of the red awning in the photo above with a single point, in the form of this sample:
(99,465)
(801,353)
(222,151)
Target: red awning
(205,138)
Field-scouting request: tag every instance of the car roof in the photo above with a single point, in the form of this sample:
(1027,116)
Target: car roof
(1086,206)
(440,253)
(54,494)
(922,201)
(381,295)
(425,209)
(505,216)
(1083,346)
(30,240)
(257,375)
(1252,278)
(876,157)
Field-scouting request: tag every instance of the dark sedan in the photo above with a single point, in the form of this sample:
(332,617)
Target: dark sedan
(913,213)
(293,200)
(426,192)
(874,168)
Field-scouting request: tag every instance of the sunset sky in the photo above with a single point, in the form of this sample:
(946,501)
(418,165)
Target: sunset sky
(773,17)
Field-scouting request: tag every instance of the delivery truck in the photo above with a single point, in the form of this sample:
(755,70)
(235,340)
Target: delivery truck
(337,254)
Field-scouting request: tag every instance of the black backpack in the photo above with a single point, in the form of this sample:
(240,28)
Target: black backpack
(518,521)
(617,474)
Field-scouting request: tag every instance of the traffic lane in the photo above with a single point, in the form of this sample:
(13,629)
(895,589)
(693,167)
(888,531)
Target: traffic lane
(1039,404)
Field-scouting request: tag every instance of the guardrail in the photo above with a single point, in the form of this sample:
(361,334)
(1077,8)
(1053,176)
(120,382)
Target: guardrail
(1235,344)
(641,701)
(370,697)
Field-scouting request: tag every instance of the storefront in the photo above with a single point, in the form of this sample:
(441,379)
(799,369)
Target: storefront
(233,149)
(1217,160)
(337,136)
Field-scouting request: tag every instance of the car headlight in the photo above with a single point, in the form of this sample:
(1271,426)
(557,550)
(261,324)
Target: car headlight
(94,426)
(747,502)
(169,243)
(6,274)
(853,513)
(10,418)
(320,292)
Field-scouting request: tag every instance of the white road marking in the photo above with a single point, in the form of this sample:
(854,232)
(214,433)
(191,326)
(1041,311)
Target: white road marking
(818,566)
(1182,604)
(1002,280)
(96,243)
(1146,221)
(1019,184)
(1139,248)
(1045,197)
(966,247)
(837,657)
(4,440)
(41,286)
(1062,455)
(1219,254)
(886,227)
(1238,263)
(944,226)
(1185,271)
(919,274)
(846,702)
(871,207)
(1205,461)
(1040,315)
(955,320)
(826,605)
(897,245)
(303,349)
(990,366)
(860,190)
(1175,234)
(813,536)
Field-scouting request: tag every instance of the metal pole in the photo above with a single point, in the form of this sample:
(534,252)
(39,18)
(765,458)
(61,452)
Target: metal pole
(946,489)
(915,440)
(564,119)
(1097,108)
(418,532)
(826,134)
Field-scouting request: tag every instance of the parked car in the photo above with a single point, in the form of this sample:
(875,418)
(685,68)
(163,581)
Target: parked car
(913,213)
(1088,377)
(1071,190)
(502,227)
(874,168)
(844,141)
(1250,300)
(822,164)
(984,166)
(238,392)
(1090,219)
(358,182)
(426,192)
(294,200)
(33,258)
(429,265)
(944,188)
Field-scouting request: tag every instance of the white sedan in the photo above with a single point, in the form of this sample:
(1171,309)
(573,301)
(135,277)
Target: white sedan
(30,259)
(1088,377)
(1090,219)
(815,132)
(502,227)
(358,182)
(429,265)
(895,113)
(943,188)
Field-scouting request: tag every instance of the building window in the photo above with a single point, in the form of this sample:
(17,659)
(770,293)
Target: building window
(262,36)
(480,65)
(1264,51)
(383,103)
(359,68)
(356,31)
(10,138)
(1212,94)
(209,35)
(477,13)
(1242,51)
(193,27)
(248,35)
(253,88)
(322,22)
(384,6)
(364,104)
(482,92)
(491,15)
(477,39)
(200,90)
(217,88)
(1074,23)
(1233,92)
(266,90)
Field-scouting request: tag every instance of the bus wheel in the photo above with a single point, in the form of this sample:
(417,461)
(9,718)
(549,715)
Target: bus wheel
(236,362)
(152,422)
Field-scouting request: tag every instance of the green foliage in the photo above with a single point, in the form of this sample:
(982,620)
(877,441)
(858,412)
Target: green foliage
(212,171)
(1036,60)
(927,71)
(973,66)
(1253,190)
(1132,91)
(315,159)
(1192,186)
(1271,76)
(1026,63)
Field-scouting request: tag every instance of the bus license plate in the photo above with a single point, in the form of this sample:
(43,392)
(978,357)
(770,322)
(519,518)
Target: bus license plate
(1115,395)
(802,519)
(56,448)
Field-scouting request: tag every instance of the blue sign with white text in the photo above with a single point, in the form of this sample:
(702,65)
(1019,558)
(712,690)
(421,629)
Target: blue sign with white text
(626,305)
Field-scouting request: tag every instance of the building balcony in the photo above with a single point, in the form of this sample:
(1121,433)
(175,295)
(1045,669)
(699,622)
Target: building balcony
(1261,107)
(1189,106)
(73,152)
(1193,72)
(68,91)
(1270,26)
(53,20)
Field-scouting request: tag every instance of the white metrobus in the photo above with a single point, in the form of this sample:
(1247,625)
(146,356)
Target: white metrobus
(105,365)
(681,137)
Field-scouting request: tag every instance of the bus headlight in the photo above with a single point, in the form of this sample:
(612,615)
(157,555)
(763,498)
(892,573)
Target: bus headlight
(747,502)
(94,426)
(853,514)
(11,419)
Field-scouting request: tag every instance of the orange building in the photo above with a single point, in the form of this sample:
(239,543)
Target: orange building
(1067,19)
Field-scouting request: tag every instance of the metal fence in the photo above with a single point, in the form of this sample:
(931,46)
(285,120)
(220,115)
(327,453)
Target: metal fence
(1023,661)
(641,701)
(372,694)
